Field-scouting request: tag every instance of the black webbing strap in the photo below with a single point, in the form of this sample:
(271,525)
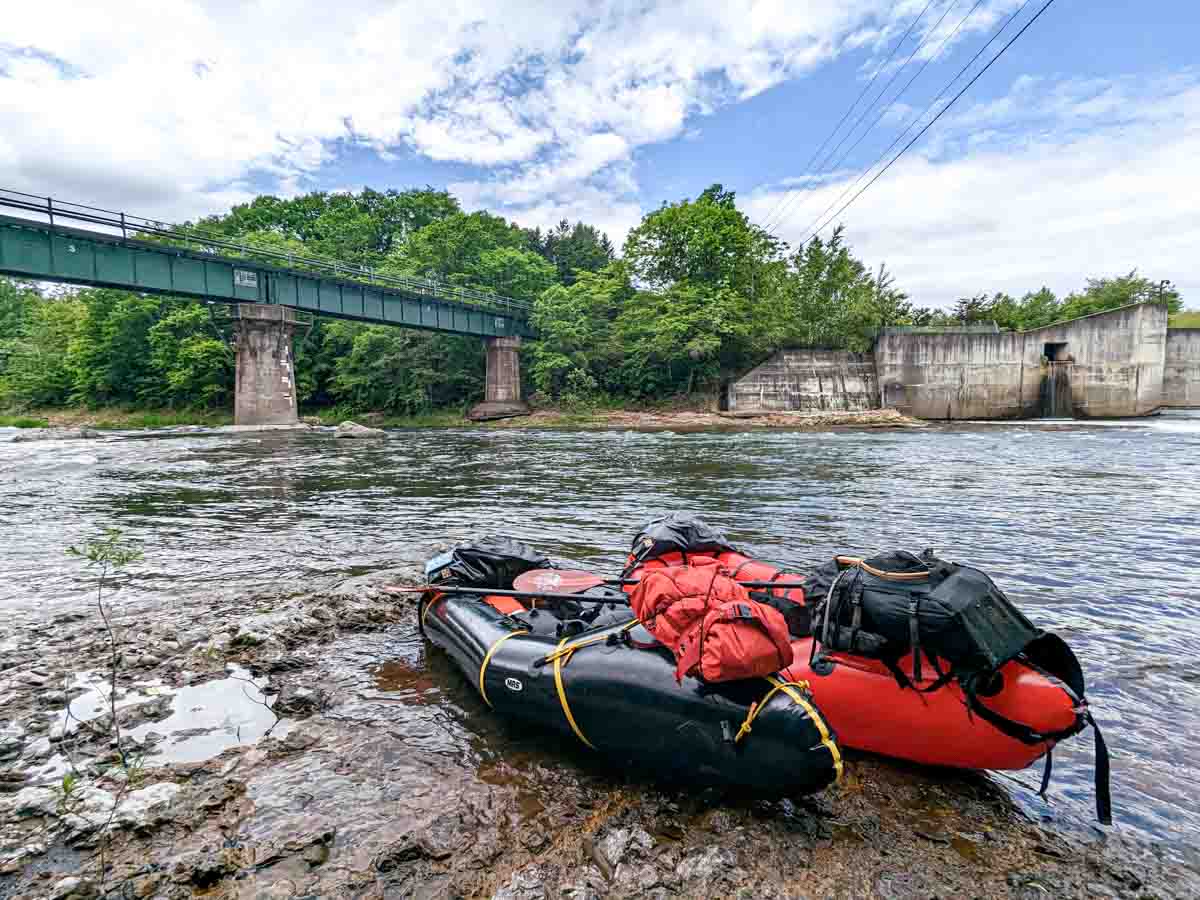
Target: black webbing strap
(1026,735)
(914,634)
(1046,773)
(1103,776)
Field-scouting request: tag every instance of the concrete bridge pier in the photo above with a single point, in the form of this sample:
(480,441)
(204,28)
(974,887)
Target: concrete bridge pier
(266,372)
(502,386)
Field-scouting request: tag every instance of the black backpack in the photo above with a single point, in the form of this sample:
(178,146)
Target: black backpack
(898,603)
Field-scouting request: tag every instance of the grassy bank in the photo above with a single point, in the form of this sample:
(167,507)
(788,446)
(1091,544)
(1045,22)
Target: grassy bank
(1189,318)
(22,421)
(114,418)
(673,416)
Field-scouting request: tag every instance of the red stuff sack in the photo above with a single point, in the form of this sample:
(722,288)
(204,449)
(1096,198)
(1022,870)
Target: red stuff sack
(739,639)
(708,621)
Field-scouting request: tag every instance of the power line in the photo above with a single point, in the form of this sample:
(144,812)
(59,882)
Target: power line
(850,108)
(914,119)
(908,84)
(941,112)
(825,162)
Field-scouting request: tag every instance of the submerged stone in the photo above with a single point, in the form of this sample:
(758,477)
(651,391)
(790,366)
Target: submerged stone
(350,429)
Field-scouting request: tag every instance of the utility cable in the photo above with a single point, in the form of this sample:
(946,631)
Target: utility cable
(914,119)
(824,163)
(908,84)
(930,124)
(850,108)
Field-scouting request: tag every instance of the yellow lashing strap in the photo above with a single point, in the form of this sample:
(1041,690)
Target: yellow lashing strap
(565,653)
(793,689)
(428,606)
(559,658)
(488,658)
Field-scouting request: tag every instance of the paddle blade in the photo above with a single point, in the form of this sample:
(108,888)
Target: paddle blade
(557,581)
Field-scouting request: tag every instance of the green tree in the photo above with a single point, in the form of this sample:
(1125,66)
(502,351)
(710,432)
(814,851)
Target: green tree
(192,358)
(827,286)
(703,241)
(574,325)
(574,249)
(401,371)
(110,352)
(875,303)
(36,369)
(1109,293)
(450,248)
(513,273)
(360,228)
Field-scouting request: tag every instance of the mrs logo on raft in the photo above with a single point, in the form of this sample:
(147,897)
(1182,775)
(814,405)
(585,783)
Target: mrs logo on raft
(513,685)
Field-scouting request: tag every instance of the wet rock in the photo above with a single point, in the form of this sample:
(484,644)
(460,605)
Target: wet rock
(350,429)
(204,868)
(707,864)
(73,887)
(720,821)
(52,698)
(87,808)
(527,884)
(144,886)
(30,678)
(12,740)
(247,637)
(436,842)
(14,861)
(312,847)
(54,434)
(146,807)
(631,879)
(31,801)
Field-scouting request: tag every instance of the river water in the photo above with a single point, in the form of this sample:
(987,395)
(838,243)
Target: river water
(1094,530)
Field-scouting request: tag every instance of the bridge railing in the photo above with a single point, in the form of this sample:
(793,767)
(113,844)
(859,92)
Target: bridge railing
(131,227)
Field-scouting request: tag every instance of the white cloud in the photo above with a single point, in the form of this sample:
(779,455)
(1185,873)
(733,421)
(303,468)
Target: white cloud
(1064,180)
(174,107)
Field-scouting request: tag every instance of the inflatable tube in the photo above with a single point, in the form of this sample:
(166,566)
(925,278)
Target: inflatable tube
(870,710)
(619,696)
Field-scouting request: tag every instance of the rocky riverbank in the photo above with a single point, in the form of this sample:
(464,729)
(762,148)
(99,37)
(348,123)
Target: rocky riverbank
(69,424)
(311,745)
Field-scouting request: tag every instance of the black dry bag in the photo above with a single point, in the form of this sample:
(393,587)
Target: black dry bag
(490,562)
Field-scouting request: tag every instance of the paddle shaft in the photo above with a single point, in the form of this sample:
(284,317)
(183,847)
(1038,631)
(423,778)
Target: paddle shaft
(746,584)
(490,592)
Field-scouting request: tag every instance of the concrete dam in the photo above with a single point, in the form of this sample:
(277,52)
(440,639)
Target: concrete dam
(1119,363)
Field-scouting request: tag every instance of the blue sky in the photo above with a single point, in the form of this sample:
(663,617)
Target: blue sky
(1073,156)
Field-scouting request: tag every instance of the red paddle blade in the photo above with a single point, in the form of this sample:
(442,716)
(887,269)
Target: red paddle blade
(556,581)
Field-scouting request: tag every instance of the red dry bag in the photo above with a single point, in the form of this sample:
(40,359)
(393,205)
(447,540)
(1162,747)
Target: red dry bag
(708,621)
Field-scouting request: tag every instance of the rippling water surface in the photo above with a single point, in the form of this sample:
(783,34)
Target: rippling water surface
(1094,531)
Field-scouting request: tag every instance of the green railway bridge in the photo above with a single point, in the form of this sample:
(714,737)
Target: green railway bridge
(271,293)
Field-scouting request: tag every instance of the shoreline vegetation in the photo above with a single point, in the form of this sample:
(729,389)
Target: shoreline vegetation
(697,294)
(679,418)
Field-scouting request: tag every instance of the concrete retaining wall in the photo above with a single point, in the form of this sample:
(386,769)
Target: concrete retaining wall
(1181,372)
(800,380)
(1115,363)
(952,376)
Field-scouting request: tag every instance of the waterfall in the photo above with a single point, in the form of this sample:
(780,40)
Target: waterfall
(1056,392)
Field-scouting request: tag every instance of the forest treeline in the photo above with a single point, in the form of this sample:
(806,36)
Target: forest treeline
(697,293)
